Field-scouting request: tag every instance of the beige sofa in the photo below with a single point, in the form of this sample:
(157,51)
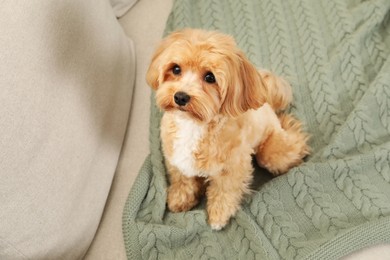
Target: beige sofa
(68,72)
(144,24)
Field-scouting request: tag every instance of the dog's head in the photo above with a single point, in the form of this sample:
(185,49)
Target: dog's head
(203,73)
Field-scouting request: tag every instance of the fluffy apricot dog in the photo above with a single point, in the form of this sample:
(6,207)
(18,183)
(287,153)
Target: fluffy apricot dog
(219,110)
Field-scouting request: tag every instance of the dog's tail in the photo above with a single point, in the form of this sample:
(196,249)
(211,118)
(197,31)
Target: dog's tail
(297,137)
(279,93)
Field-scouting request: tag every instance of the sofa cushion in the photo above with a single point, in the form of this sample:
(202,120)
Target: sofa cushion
(67,73)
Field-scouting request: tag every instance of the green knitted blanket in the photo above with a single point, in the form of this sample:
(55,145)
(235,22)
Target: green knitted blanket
(336,55)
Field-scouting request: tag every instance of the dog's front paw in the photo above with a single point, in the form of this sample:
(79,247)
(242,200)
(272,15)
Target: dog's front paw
(181,199)
(218,217)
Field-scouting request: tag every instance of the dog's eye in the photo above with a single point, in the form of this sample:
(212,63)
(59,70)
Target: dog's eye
(176,70)
(209,77)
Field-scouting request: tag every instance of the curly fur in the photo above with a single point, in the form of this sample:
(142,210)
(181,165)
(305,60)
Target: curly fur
(209,139)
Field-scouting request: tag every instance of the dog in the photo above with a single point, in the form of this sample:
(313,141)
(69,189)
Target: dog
(219,110)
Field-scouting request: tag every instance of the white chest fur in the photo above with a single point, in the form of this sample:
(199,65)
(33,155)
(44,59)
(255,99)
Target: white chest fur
(186,141)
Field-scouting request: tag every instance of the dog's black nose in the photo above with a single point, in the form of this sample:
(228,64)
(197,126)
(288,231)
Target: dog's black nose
(181,98)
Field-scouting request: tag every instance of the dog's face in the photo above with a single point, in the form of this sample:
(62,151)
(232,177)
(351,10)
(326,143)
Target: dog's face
(204,74)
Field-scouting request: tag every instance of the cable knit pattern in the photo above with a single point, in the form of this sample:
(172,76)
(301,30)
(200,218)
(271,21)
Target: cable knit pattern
(336,55)
(309,193)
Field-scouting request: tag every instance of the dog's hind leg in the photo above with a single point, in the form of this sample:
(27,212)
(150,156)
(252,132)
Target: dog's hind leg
(283,148)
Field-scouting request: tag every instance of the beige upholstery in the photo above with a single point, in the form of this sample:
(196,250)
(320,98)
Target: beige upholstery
(144,23)
(67,72)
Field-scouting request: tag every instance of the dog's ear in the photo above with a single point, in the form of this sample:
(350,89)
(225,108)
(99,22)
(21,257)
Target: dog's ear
(152,74)
(155,71)
(245,88)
